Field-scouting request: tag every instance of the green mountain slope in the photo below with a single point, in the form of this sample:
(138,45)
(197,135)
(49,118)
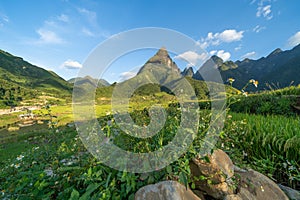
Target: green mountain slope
(89,80)
(16,70)
(161,74)
(22,80)
(279,68)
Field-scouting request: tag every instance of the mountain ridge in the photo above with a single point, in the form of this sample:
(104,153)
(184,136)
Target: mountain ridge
(279,67)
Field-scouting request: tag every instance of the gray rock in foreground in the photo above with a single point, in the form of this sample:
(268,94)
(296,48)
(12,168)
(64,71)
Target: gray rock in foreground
(291,193)
(165,190)
(256,186)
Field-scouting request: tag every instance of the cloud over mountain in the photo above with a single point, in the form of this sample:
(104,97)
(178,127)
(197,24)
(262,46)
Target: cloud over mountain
(71,64)
(294,40)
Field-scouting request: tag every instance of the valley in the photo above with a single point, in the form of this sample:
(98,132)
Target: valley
(48,159)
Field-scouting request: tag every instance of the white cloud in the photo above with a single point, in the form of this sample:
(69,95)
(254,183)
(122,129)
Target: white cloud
(127,75)
(71,64)
(3,19)
(248,55)
(224,55)
(294,40)
(192,57)
(87,32)
(48,37)
(238,48)
(229,36)
(258,28)
(213,52)
(91,16)
(264,11)
(63,18)
(221,53)
(215,39)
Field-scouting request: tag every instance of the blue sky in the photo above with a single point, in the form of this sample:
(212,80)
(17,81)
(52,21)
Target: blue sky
(59,34)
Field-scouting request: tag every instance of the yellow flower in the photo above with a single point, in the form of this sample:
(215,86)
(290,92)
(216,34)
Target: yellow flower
(230,80)
(255,83)
(245,93)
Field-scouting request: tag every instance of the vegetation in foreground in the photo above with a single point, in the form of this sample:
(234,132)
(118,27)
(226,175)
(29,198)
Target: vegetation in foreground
(53,163)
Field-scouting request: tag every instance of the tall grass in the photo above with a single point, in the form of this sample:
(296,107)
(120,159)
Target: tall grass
(268,143)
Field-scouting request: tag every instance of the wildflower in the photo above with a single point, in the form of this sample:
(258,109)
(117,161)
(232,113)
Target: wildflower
(222,145)
(36,148)
(245,93)
(229,116)
(17,165)
(254,82)
(20,157)
(262,189)
(230,80)
(49,172)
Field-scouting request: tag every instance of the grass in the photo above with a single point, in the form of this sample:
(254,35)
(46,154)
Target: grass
(52,163)
(269,144)
(9,119)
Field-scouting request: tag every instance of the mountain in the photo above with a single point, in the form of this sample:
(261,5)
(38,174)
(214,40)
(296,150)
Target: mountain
(90,80)
(17,71)
(161,74)
(189,72)
(159,61)
(279,68)
(20,79)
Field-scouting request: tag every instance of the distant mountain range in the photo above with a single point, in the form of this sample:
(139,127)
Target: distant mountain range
(89,80)
(279,69)
(20,79)
(161,74)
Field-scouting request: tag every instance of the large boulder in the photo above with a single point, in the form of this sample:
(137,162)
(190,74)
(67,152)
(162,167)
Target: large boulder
(213,175)
(291,193)
(218,168)
(165,190)
(256,186)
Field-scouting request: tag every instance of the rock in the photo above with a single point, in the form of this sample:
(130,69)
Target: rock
(291,193)
(218,169)
(233,197)
(217,191)
(256,186)
(165,190)
(199,194)
(217,173)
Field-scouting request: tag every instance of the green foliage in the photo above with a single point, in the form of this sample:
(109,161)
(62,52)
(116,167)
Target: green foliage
(267,144)
(21,80)
(54,164)
(266,104)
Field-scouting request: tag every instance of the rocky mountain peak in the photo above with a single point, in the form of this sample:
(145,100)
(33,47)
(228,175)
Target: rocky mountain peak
(162,58)
(188,72)
(275,52)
